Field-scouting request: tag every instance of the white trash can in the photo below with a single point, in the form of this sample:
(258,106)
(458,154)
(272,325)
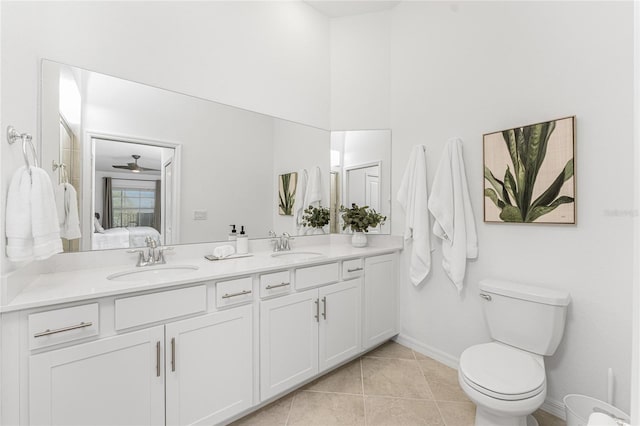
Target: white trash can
(578,408)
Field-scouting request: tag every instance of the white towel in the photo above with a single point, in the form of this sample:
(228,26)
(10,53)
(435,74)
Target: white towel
(450,206)
(313,194)
(413,197)
(298,203)
(223,251)
(31,217)
(67,204)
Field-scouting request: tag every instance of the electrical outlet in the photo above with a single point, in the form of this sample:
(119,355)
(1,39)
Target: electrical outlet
(199,215)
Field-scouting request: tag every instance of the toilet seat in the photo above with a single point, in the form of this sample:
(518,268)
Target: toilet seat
(503,372)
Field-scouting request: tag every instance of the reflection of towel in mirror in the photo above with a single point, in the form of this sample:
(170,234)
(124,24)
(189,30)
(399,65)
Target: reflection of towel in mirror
(31,217)
(413,196)
(67,204)
(313,194)
(450,206)
(298,202)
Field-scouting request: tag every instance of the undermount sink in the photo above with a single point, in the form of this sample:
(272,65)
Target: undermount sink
(153,272)
(297,255)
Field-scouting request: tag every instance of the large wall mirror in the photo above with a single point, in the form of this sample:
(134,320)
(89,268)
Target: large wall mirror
(148,162)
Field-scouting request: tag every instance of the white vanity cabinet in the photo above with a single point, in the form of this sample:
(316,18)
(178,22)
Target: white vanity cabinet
(114,381)
(197,371)
(305,333)
(209,372)
(380,299)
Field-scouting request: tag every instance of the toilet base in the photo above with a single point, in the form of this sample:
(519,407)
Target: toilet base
(489,418)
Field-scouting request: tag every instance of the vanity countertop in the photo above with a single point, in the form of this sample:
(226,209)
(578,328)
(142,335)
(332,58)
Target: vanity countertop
(83,284)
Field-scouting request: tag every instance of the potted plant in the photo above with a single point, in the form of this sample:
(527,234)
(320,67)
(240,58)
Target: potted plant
(316,218)
(360,219)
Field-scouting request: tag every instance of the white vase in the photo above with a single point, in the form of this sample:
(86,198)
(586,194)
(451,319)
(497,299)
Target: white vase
(318,231)
(359,239)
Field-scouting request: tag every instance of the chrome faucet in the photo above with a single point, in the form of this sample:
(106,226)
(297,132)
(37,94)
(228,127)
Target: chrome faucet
(281,243)
(153,255)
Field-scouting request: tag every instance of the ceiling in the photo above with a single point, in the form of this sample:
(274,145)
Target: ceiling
(337,9)
(109,153)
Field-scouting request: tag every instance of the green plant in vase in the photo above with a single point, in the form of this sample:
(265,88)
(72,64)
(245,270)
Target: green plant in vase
(315,217)
(359,220)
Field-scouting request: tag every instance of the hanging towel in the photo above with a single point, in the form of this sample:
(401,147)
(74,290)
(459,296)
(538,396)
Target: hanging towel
(413,197)
(313,194)
(67,204)
(31,218)
(298,203)
(450,206)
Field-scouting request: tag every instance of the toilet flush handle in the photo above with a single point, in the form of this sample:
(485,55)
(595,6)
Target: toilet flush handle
(485,297)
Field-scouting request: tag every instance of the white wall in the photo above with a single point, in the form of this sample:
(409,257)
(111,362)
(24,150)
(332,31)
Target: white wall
(464,69)
(271,57)
(360,92)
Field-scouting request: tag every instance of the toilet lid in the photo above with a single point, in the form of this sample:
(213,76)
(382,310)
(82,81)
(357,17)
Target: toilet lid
(502,372)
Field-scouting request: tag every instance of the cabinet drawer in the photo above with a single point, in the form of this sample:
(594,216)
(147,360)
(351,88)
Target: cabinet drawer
(234,292)
(275,283)
(63,325)
(352,268)
(149,308)
(316,275)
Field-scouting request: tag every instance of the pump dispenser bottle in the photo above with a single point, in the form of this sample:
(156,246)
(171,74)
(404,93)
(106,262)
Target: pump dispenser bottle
(233,235)
(242,242)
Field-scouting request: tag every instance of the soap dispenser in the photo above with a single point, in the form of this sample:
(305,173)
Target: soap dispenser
(242,243)
(232,235)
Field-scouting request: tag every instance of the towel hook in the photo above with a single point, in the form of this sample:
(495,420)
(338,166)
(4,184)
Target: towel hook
(13,136)
(64,174)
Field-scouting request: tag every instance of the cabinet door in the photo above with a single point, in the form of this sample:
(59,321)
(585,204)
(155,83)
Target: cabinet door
(380,307)
(113,381)
(209,367)
(340,322)
(288,341)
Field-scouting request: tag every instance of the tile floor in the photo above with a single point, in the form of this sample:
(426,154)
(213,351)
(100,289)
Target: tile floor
(392,385)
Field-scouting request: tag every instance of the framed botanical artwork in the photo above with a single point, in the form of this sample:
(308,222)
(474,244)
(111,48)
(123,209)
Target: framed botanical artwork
(529,173)
(287,193)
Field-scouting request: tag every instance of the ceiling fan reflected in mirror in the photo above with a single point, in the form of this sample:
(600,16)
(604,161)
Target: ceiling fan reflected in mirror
(134,167)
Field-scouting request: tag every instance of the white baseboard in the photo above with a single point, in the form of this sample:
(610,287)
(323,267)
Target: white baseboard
(555,407)
(550,405)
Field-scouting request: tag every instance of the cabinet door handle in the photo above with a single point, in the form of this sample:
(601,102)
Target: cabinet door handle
(354,269)
(269,287)
(240,293)
(48,332)
(317,315)
(324,307)
(173,354)
(158,358)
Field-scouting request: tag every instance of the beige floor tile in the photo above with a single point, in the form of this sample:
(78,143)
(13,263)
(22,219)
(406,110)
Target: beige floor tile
(346,379)
(382,411)
(447,391)
(418,355)
(394,377)
(326,409)
(392,349)
(437,372)
(274,414)
(546,419)
(458,413)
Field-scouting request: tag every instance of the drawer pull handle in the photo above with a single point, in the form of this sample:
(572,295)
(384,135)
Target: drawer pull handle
(48,332)
(269,287)
(317,315)
(241,293)
(354,269)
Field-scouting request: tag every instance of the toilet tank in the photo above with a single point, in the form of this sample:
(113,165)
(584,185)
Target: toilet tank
(528,317)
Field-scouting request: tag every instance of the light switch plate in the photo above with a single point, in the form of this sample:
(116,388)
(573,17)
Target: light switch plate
(199,215)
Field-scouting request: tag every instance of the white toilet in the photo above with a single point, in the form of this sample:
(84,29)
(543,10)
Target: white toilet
(506,378)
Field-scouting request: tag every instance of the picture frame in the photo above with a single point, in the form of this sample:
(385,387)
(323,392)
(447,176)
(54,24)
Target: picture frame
(287,193)
(529,173)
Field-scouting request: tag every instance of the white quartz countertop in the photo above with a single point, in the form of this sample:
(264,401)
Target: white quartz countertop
(83,284)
